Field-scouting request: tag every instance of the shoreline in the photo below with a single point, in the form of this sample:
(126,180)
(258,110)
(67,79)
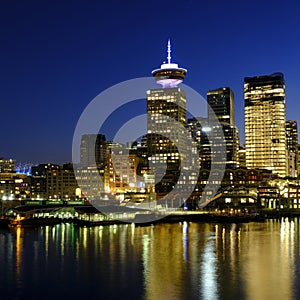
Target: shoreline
(207,217)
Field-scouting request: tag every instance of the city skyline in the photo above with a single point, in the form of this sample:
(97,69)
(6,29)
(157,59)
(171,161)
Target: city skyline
(58,59)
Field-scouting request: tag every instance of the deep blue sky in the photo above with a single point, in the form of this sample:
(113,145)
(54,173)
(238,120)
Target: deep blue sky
(56,56)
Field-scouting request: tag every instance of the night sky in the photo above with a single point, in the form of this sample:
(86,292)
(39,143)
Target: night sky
(56,56)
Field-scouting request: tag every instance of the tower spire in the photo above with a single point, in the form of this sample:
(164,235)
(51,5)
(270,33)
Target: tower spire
(169,75)
(169,51)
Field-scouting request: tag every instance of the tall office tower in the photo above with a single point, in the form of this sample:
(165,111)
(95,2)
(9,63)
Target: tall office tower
(292,147)
(93,149)
(265,118)
(231,136)
(92,165)
(198,128)
(195,125)
(221,102)
(166,109)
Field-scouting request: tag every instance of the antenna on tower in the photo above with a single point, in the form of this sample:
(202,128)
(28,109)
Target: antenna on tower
(169,75)
(169,51)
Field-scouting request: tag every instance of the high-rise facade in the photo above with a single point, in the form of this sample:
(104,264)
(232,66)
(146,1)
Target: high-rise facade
(221,109)
(166,110)
(265,117)
(222,103)
(162,135)
(231,136)
(198,128)
(93,150)
(93,156)
(292,147)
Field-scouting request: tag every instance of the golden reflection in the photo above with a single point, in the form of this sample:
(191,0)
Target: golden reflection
(100,239)
(217,237)
(184,260)
(146,245)
(19,248)
(53,233)
(227,255)
(268,266)
(84,237)
(100,235)
(292,235)
(163,263)
(223,243)
(232,246)
(123,242)
(47,229)
(208,273)
(132,226)
(172,269)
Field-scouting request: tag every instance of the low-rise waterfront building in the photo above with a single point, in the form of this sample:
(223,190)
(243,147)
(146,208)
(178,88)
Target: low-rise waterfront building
(7,165)
(61,184)
(14,186)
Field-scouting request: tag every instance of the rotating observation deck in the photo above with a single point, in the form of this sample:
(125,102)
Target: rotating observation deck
(169,75)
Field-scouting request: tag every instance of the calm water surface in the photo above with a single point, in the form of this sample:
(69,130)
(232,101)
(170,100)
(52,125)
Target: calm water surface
(168,261)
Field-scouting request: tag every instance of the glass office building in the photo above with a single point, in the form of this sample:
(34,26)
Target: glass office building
(265,122)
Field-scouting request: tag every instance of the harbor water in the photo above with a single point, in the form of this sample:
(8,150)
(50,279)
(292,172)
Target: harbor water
(255,260)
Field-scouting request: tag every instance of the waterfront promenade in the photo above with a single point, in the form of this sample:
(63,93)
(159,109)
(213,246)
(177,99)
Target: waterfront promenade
(88,215)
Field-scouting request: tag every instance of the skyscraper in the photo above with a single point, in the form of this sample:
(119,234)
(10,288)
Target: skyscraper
(292,147)
(93,150)
(92,165)
(166,109)
(221,102)
(198,128)
(265,117)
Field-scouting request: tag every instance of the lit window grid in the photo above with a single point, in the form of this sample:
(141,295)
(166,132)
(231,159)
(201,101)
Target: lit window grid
(264,124)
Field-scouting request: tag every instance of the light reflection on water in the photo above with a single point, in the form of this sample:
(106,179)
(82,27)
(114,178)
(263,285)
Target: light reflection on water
(167,261)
